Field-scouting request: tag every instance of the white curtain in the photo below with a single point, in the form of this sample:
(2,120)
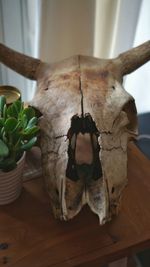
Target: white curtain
(19,29)
(138,83)
(100,28)
(55,29)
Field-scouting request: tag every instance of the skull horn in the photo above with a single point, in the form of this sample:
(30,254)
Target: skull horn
(133,59)
(24,65)
(29,67)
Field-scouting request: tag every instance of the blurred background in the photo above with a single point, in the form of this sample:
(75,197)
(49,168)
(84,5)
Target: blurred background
(55,29)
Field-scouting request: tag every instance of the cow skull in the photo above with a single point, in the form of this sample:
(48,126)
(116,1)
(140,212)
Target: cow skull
(86,123)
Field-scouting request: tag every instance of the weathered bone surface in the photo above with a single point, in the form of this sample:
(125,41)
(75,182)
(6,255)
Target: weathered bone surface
(86,123)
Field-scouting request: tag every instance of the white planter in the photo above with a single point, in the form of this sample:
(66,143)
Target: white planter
(11,183)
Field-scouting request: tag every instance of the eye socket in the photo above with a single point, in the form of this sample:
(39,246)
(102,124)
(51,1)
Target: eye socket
(112,190)
(38,114)
(113,87)
(131,112)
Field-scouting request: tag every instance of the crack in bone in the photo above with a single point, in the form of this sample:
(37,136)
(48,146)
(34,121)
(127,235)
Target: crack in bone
(60,136)
(80,88)
(115,147)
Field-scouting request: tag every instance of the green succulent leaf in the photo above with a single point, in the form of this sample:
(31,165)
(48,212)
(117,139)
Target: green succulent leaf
(29,144)
(16,137)
(2,122)
(32,122)
(12,111)
(2,134)
(18,132)
(2,103)
(29,112)
(2,131)
(24,121)
(19,127)
(31,131)
(38,113)
(4,138)
(18,105)
(10,124)
(5,112)
(4,151)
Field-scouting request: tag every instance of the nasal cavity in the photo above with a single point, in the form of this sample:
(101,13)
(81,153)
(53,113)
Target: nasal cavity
(83,150)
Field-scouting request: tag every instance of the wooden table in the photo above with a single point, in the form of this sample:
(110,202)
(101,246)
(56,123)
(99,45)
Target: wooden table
(36,239)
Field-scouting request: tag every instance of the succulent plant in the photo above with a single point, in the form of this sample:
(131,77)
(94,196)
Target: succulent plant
(18,132)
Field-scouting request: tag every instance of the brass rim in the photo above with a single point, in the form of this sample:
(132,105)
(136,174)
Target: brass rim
(12,93)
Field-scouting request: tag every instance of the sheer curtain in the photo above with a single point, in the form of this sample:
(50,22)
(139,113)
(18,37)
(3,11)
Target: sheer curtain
(55,29)
(19,29)
(100,28)
(138,83)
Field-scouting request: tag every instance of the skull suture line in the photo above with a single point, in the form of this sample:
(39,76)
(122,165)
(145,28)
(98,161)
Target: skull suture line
(86,123)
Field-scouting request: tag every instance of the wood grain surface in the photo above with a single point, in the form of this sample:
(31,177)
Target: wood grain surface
(31,237)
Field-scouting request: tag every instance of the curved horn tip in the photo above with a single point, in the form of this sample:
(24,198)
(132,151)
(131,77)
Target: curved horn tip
(134,58)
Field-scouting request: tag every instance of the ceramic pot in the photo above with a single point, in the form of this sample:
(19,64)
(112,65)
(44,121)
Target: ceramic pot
(11,183)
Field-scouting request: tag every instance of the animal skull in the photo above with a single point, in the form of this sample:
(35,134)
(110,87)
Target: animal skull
(86,123)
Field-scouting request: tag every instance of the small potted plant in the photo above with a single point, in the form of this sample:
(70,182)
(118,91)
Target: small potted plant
(18,133)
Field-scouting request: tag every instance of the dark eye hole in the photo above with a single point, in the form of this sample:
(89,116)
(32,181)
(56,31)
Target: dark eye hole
(112,190)
(113,87)
(131,112)
(38,114)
